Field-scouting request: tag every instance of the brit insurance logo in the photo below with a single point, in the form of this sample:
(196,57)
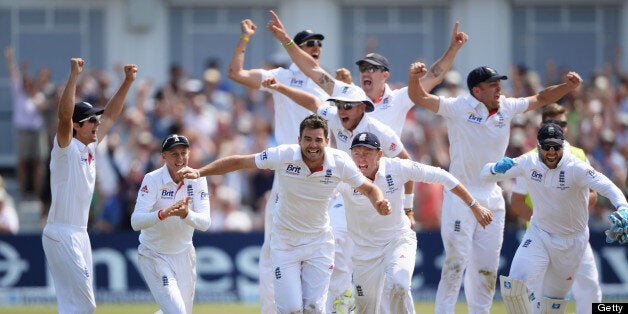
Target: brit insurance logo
(166,194)
(292,169)
(294,82)
(473,118)
(263,155)
(341,136)
(536,175)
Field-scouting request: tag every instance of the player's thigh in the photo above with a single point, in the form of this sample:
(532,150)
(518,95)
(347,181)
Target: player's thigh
(399,260)
(368,277)
(161,280)
(316,273)
(457,228)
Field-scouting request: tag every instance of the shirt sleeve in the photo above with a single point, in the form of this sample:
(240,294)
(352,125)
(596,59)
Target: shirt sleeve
(199,213)
(519,186)
(268,159)
(391,143)
(143,216)
(601,184)
(429,174)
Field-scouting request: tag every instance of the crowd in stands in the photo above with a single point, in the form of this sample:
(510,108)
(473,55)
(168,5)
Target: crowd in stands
(219,122)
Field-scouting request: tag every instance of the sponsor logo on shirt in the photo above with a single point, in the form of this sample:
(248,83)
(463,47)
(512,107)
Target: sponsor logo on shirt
(344,90)
(296,82)
(474,119)
(392,147)
(292,169)
(144,189)
(591,173)
(526,243)
(341,136)
(263,155)
(499,118)
(167,194)
(83,160)
(204,195)
(536,175)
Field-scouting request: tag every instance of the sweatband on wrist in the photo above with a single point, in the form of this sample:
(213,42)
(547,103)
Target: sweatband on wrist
(160,215)
(408,201)
(288,45)
(473,202)
(244,38)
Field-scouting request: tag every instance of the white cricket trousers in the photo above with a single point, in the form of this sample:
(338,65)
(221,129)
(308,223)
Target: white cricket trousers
(470,250)
(302,274)
(266,276)
(548,263)
(586,285)
(69,256)
(383,276)
(341,277)
(171,278)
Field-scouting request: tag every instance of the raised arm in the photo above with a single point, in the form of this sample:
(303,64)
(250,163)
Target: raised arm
(376,197)
(66,103)
(416,92)
(249,78)
(305,62)
(9,59)
(304,99)
(115,104)
(437,71)
(553,93)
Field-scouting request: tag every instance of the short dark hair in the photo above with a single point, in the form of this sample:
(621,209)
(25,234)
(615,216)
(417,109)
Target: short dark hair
(314,121)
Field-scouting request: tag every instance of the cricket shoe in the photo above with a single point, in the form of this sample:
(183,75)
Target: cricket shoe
(344,304)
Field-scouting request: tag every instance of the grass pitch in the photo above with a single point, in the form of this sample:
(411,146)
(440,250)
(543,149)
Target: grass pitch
(231,308)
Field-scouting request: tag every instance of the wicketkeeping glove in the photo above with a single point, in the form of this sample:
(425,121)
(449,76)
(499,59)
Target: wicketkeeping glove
(503,165)
(619,226)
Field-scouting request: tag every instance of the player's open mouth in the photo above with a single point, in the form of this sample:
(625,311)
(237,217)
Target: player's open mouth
(344,120)
(366,83)
(315,56)
(363,167)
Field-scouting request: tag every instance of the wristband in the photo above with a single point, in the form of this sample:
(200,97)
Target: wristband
(198,172)
(408,211)
(408,201)
(244,39)
(160,215)
(288,45)
(473,202)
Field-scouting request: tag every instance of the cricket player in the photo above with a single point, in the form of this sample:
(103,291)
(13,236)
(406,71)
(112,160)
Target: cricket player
(586,287)
(478,127)
(385,249)
(287,118)
(551,251)
(301,242)
(72,179)
(167,211)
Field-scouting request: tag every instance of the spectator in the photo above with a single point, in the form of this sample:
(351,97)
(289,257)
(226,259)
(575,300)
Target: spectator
(9,222)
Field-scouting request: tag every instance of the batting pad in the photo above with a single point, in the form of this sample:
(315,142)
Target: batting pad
(515,295)
(553,306)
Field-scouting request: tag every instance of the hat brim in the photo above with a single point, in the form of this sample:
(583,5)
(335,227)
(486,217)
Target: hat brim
(175,145)
(496,78)
(552,140)
(369,146)
(373,62)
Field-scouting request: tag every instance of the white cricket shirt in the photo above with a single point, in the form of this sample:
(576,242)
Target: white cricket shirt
(475,138)
(288,114)
(72,181)
(393,108)
(370,229)
(172,235)
(561,195)
(301,212)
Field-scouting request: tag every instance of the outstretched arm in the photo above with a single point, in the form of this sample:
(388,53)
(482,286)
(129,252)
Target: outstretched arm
(482,215)
(220,166)
(437,71)
(305,62)
(115,104)
(417,92)
(248,78)
(9,58)
(304,99)
(66,103)
(553,93)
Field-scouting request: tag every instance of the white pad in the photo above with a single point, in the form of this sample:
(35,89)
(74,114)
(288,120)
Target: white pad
(553,306)
(515,295)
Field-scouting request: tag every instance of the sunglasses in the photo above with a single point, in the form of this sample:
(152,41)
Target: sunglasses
(548,147)
(371,68)
(560,123)
(346,105)
(92,119)
(311,43)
